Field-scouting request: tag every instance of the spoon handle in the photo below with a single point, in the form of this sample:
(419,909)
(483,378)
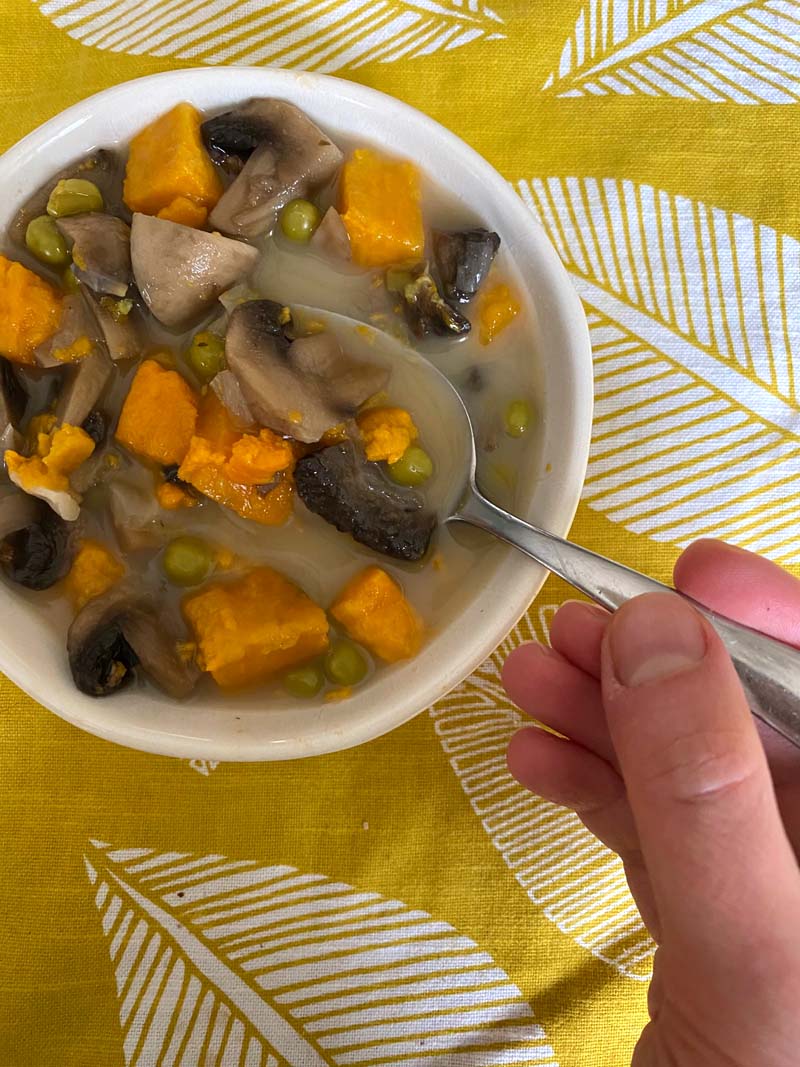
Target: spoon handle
(768,669)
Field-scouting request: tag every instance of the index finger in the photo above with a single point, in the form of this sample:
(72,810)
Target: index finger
(747,588)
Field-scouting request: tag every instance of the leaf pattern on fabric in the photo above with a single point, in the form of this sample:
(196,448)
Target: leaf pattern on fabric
(720,51)
(305,34)
(204,766)
(696,338)
(237,964)
(577,882)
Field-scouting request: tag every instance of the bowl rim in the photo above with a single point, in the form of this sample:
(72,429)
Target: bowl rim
(570,308)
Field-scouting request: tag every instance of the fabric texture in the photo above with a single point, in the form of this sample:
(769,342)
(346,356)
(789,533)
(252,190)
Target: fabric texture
(406,902)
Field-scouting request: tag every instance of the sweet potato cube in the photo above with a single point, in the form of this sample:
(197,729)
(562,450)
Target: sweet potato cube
(374,611)
(185,212)
(249,630)
(255,460)
(168,165)
(159,415)
(381,209)
(30,311)
(94,571)
(386,432)
(231,468)
(498,307)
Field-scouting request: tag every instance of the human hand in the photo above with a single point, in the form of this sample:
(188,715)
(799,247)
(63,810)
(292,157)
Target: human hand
(663,761)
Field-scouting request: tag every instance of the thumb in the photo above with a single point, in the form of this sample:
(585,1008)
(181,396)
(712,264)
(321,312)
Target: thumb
(720,864)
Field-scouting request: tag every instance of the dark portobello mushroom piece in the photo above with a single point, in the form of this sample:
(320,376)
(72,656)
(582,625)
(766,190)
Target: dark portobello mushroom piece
(464,258)
(180,272)
(118,632)
(425,310)
(101,251)
(287,156)
(36,545)
(302,388)
(96,425)
(350,493)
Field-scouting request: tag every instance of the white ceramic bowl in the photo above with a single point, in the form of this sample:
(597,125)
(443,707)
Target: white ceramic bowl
(33,655)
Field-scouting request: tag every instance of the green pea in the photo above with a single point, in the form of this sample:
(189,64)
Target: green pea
(414,467)
(345,663)
(304,682)
(46,242)
(299,219)
(74,196)
(517,418)
(206,355)
(187,561)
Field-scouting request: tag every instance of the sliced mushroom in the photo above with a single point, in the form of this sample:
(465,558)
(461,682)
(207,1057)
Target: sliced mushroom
(136,515)
(288,156)
(36,544)
(101,251)
(352,494)
(12,406)
(331,238)
(85,383)
(77,327)
(426,312)
(100,465)
(117,632)
(117,327)
(464,258)
(180,271)
(230,395)
(300,389)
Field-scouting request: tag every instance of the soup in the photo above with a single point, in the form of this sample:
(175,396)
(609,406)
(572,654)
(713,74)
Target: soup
(220,467)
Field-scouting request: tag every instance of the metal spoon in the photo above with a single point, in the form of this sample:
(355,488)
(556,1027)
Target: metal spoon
(768,669)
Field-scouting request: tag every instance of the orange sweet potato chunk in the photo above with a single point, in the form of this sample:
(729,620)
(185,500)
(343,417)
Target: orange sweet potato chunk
(172,497)
(374,611)
(30,311)
(498,307)
(380,200)
(256,460)
(386,433)
(215,424)
(159,415)
(94,571)
(229,467)
(249,630)
(168,165)
(185,212)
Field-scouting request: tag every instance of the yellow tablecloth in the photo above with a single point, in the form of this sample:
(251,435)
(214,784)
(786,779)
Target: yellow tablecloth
(405,903)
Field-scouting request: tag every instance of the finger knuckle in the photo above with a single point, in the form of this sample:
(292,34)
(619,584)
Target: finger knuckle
(700,768)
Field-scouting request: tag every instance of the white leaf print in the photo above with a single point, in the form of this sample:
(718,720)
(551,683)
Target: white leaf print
(237,964)
(696,337)
(577,882)
(316,35)
(204,766)
(731,51)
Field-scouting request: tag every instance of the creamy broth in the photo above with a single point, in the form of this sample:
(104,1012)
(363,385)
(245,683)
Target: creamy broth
(307,549)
